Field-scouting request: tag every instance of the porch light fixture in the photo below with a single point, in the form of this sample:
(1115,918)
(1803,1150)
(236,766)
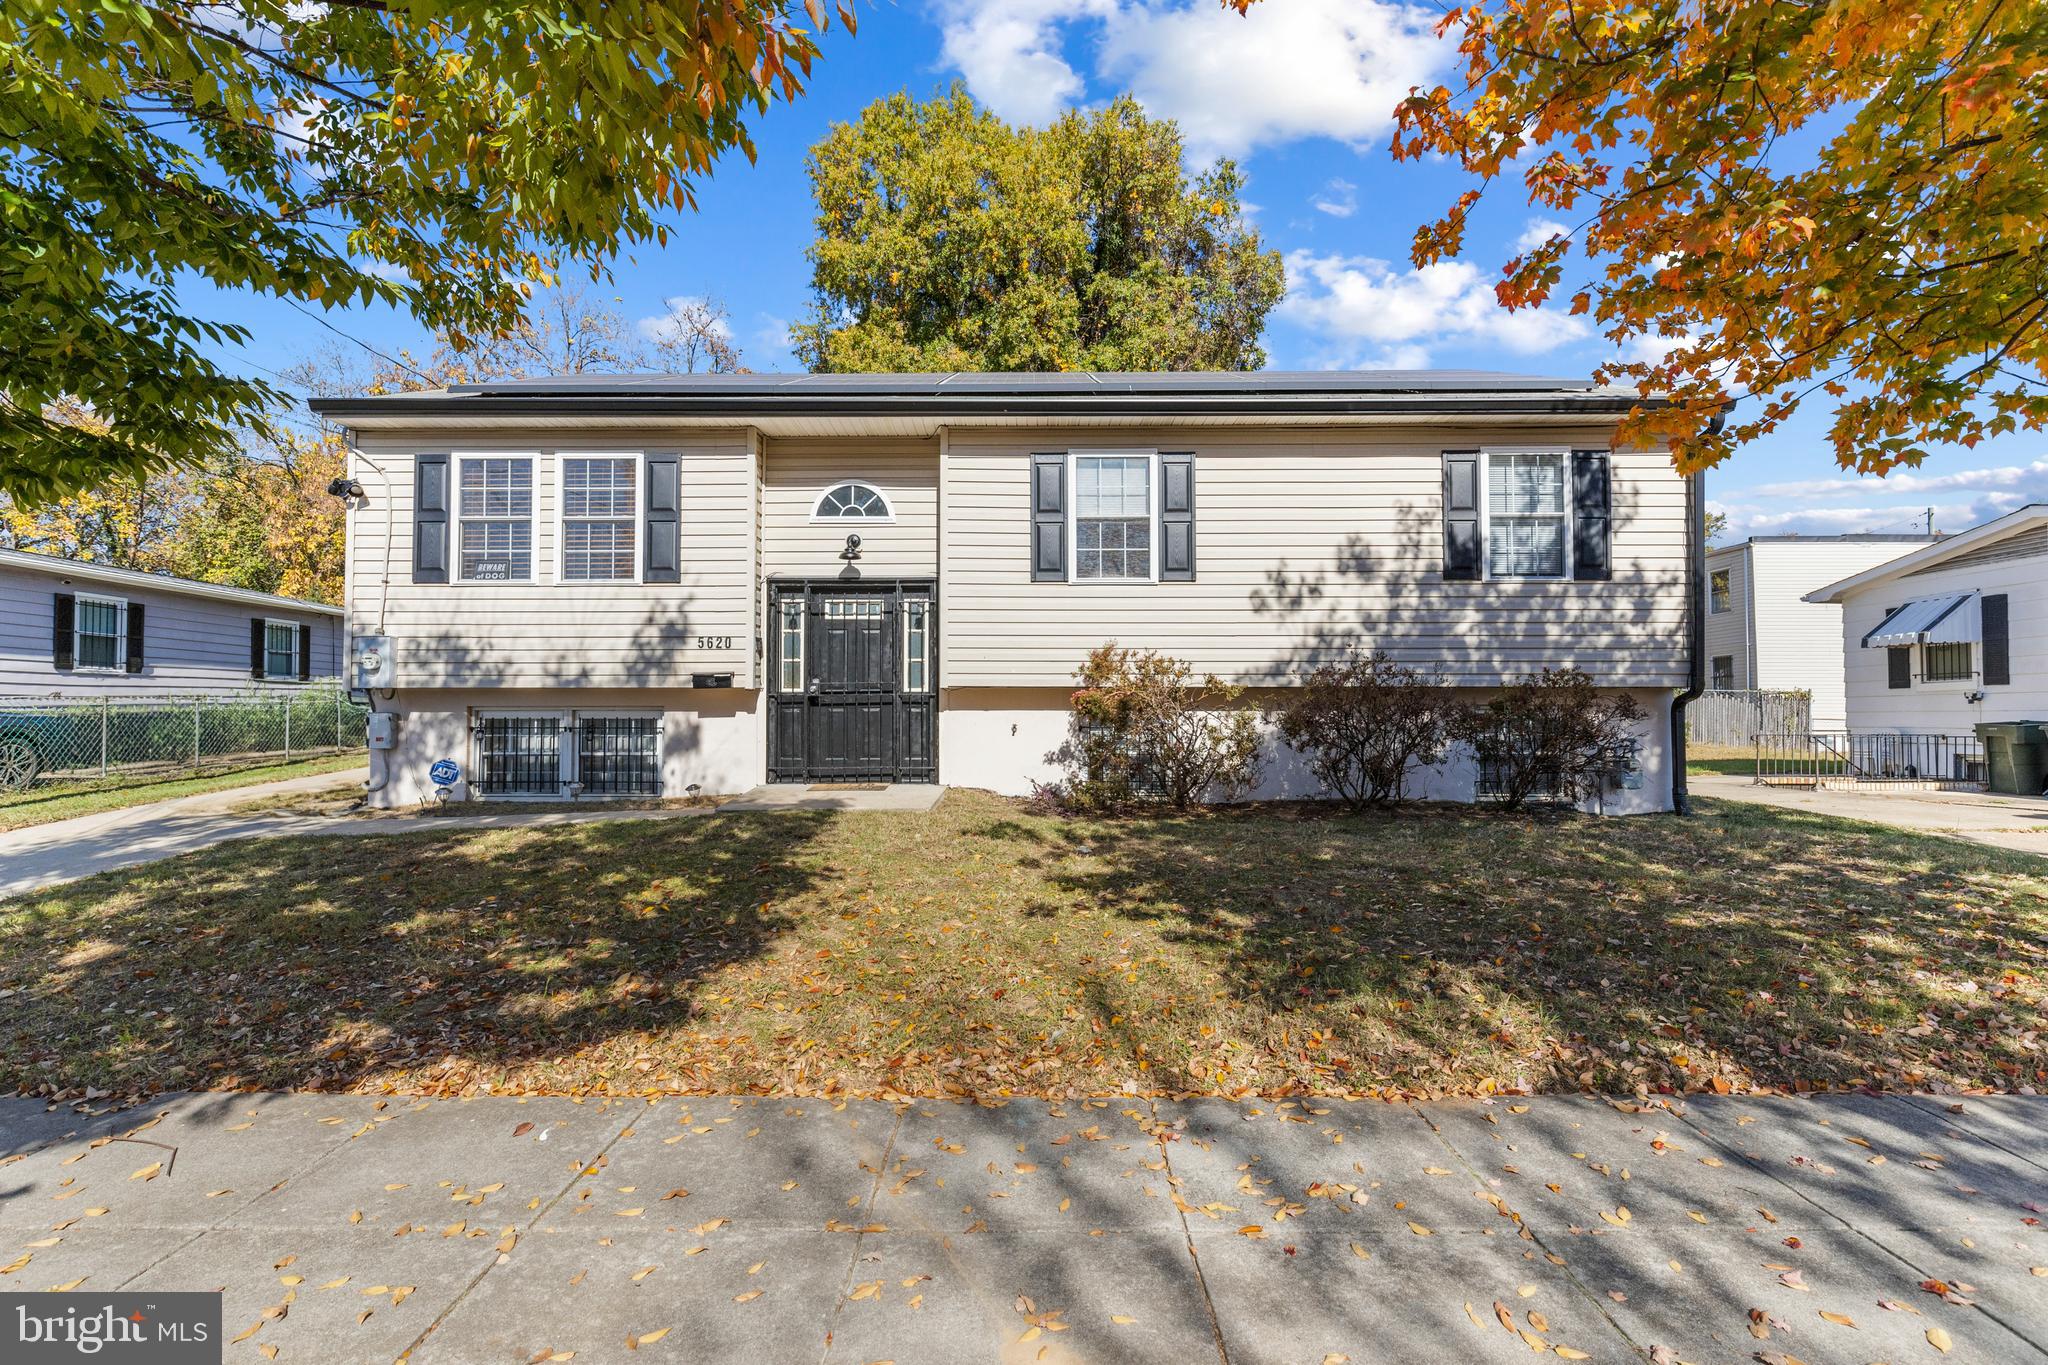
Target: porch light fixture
(852,550)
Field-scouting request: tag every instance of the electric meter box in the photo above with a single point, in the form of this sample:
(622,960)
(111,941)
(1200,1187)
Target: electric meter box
(371,665)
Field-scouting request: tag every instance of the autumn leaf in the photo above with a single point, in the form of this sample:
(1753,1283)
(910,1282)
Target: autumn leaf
(1939,1340)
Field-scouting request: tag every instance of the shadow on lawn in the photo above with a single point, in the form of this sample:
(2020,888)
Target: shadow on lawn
(1778,950)
(337,959)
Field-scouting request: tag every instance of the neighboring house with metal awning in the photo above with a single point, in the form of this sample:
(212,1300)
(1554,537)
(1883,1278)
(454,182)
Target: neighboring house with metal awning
(1950,634)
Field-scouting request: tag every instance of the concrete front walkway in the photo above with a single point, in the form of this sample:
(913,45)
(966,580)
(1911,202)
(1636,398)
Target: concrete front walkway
(48,855)
(2014,822)
(345,1229)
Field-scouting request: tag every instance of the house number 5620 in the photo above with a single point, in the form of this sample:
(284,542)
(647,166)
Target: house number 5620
(714,642)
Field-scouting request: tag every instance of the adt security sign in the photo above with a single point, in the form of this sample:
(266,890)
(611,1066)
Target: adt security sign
(446,772)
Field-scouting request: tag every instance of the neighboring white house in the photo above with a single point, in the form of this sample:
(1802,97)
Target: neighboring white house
(1763,633)
(1950,634)
(74,628)
(597,585)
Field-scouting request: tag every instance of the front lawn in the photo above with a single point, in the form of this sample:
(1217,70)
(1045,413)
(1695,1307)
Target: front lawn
(61,800)
(983,949)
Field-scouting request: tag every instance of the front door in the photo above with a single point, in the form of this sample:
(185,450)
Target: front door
(853,683)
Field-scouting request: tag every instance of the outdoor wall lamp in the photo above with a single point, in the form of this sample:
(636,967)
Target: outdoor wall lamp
(344,488)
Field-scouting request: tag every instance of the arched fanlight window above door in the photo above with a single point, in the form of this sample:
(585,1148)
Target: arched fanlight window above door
(852,502)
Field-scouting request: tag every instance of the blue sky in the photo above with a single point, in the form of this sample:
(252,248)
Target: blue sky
(1300,93)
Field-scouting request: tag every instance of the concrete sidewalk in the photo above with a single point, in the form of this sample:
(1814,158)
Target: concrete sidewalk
(345,1229)
(2013,822)
(43,856)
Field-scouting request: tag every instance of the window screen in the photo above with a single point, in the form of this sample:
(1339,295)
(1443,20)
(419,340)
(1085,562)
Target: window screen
(1112,516)
(598,512)
(1526,515)
(496,510)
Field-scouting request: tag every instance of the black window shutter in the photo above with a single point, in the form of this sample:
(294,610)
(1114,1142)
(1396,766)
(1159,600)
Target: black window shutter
(1997,641)
(1177,518)
(1898,662)
(305,652)
(1462,550)
(1592,515)
(429,520)
(664,516)
(64,632)
(256,660)
(135,636)
(1049,516)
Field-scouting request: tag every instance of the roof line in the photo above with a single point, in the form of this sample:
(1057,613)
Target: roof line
(114,576)
(1927,555)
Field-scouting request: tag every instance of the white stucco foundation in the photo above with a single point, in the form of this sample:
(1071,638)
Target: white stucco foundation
(999,739)
(1003,739)
(710,737)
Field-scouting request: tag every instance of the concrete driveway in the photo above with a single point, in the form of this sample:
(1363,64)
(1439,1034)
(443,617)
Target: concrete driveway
(2012,822)
(357,1229)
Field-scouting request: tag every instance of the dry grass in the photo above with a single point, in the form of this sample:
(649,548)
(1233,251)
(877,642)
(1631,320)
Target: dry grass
(983,949)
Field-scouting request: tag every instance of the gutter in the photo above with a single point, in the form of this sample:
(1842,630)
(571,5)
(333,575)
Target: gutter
(955,406)
(1696,623)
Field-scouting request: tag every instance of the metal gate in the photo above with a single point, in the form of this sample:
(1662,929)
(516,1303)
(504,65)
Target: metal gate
(855,688)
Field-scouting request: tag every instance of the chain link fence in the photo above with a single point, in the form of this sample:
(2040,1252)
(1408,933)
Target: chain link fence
(79,737)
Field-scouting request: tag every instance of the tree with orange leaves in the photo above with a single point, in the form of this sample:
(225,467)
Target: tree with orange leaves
(1777,200)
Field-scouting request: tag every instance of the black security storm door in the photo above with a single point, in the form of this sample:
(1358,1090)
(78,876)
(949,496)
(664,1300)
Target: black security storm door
(853,686)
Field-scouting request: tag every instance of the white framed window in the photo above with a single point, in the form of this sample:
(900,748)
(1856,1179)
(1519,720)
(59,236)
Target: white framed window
(917,648)
(281,641)
(494,511)
(1720,595)
(1528,514)
(600,502)
(1110,527)
(100,633)
(852,501)
(791,626)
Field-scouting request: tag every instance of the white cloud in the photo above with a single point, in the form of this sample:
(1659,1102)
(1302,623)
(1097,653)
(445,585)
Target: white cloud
(1960,498)
(666,325)
(1338,198)
(1302,68)
(1538,231)
(1011,54)
(1363,307)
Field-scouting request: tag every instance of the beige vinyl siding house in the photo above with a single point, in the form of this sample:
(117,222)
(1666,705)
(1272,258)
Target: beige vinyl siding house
(1253,525)
(1761,630)
(1982,654)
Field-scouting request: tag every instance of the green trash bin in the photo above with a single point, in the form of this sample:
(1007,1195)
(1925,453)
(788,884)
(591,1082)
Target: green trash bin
(2017,755)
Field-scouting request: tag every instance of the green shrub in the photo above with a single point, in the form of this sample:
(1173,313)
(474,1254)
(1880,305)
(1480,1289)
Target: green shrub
(1364,721)
(1549,735)
(1142,730)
